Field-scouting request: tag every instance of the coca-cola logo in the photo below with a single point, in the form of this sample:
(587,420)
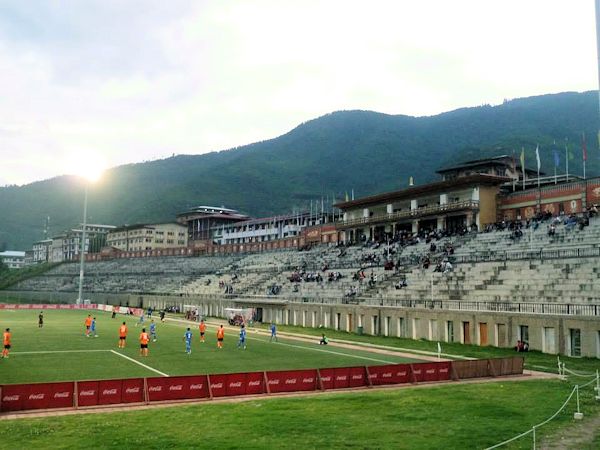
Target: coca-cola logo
(176,387)
(36,397)
(109,392)
(357,377)
(11,398)
(195,387)
(62,395)
(254,383)
(387,375)
(132,390)
(87,393)
(430,371)
(235,384)
(402,374)
(417,372)
(155,388)
(291,381)
(341,378)
(325,378)
(273,381)
(308,380)
(443,370)
(216,386)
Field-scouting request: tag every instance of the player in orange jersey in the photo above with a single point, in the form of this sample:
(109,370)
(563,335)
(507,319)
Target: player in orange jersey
(6,341)
(220,336)
(202,330)
(122,335)
(144,339)
(88,324)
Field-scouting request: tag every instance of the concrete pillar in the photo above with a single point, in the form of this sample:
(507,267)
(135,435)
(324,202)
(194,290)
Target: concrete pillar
(415,226)
(390,208)
(441,223)
(414,204)
(475,194)
(366,213)
(443,199)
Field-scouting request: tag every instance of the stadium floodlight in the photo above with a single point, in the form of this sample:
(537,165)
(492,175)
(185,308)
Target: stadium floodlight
(90,175)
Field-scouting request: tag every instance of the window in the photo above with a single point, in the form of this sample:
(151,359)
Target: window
(449,331)
(524,333)
(400,331)
(575,341)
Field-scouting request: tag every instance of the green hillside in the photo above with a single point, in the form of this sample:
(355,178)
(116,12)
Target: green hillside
(362,150)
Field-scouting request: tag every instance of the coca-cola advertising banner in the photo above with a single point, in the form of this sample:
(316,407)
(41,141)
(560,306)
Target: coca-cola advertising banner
(137,390)
(292,380)
(45,306)
(18,397)
(177,388)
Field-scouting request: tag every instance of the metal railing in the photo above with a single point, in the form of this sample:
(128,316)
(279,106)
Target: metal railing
(412,214)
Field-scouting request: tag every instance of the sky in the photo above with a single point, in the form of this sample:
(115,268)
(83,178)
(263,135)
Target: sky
(86,84)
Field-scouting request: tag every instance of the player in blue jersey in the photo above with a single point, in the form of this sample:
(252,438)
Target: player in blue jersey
(93,328)
(153,330)
(273,332)
(187,337)
(141,322)
(242,342)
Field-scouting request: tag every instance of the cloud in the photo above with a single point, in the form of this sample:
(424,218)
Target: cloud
(143,79)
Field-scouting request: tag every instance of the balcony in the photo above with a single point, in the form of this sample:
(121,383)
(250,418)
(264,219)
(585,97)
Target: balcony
(470,205)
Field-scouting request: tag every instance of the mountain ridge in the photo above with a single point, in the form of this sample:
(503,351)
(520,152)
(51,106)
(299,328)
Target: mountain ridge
(328,156)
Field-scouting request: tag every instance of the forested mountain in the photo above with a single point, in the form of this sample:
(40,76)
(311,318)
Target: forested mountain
(362,150)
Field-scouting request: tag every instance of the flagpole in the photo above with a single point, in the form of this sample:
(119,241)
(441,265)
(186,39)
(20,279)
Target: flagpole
(567,157)
(537,157)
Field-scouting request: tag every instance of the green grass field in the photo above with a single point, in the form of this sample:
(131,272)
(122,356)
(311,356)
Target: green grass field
(450,416)
(453,416)
(60,352)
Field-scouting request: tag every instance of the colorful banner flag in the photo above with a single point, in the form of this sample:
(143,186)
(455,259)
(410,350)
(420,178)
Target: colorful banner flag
(556,158)
(537,157)
(523,159)
(584,146)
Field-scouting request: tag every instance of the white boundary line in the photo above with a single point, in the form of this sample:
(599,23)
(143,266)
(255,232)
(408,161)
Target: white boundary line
(41,352)
(327,351)
(139,363)
(309,348)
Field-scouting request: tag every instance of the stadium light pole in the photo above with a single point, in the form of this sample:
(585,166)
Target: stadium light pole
(90,177)
(82,247)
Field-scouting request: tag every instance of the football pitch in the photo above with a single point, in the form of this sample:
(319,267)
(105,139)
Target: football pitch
(60,351)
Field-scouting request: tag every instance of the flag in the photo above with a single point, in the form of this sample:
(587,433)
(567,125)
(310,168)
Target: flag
(556,158)
(411,181)
(523,159)
(347,198)
(537,157)
(584,147)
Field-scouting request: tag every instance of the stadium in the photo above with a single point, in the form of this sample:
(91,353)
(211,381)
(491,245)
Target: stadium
(477,318)
(412,262)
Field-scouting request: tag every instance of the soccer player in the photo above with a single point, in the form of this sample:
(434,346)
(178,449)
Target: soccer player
(122,335)
(144,339)
(162,315)
(114,312)
(220,336)
(273,332)
(153,330)
(88,324)
(242,341)
(41,319)
(6,341)
(202,330)
(141,322)
(93,327)
(187,337)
